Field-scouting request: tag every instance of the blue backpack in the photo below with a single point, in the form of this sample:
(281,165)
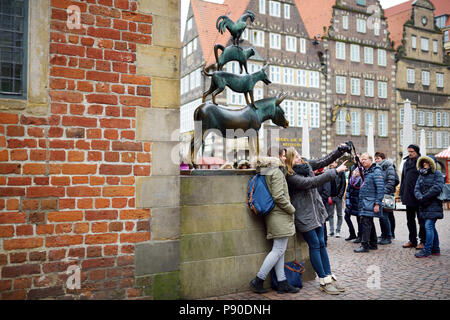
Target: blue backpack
(260,200)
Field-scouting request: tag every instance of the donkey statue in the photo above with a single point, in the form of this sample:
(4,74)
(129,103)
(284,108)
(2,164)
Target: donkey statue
(247,120)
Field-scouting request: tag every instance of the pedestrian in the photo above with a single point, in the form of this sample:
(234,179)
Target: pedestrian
(310,213)
(390,182)
(324,191)
(370,202)
(334,202)
(227,166)
(428,186)
(243,164)
(279,225)
(352,205)
(407,185)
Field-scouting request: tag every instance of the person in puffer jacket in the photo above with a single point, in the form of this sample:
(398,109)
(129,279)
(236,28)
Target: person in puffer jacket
(370,202)
(428,187)
(352,205)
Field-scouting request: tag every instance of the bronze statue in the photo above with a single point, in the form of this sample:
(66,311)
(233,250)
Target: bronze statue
(235,29)
(238,83)
(248,119)
(231,53)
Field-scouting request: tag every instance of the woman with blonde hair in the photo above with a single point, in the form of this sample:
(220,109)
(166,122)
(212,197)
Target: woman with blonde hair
(310,213)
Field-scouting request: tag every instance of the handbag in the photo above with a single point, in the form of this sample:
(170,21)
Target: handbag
(388,202)
(445,194)
(293,271)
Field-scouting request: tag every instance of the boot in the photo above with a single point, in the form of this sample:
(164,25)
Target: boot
(351,237)
(285,287)
(385,241)
(327,286)
(363,248)
(358,240)
(373,246)
(336,284)
(257,285)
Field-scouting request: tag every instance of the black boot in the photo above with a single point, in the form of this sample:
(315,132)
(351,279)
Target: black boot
(358,240)
(373,246)
(257,285)
(385,241)
(351,237)
(285,287)
(363,248)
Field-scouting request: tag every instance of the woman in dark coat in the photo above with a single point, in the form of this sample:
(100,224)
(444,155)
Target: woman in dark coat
(370,202)
(310,213)
(352,205)
(428,186)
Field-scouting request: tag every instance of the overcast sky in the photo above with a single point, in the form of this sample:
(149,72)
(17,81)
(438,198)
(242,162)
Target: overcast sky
(185,6)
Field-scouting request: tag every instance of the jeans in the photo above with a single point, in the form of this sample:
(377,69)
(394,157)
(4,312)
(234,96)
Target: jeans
(392,222)
(275,258)
(411,213)
(337,202)
(385,226)
(351,229)
(368,234)
(432,238)
(318,252)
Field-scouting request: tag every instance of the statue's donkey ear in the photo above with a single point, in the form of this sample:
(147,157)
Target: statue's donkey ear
(280,97)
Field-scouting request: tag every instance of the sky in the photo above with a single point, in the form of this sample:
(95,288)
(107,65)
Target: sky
(185,6)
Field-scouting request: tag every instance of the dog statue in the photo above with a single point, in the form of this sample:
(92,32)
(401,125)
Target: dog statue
(238,83)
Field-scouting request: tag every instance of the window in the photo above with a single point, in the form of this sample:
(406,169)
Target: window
(445,135)
(189,48)
(302,112)
(259,93)
(345,22)
(302,45)
(420,118)
(435,46)
(424,44)
(13,44)
(191,80)
(288,76)
(314,115)
(287,11)
(301,78)
(376,29)
(288,107)
(382,125)
(291,43)
(438,139)
(234,97)
(245,34)
(254,67)
(355,84)
(233,67)
(340,50)
(368,121)
(382,57)
(445,120)
(257,38)
(184,52)
(382,89)
(361,2)
(341,85)
(355,123)
(182,87)
(439,80)
(446,36)
(429,139)
(438,119)
(361,25)
(340,127)
(414,42)
(410,76)
(430,119)
(189,23)
(275,41)
(368,86)
(275,74)
(402,115)
(426,78)
(274,8)
(314,79)
(368,55)
(262,6)
(194,44)
(354,52)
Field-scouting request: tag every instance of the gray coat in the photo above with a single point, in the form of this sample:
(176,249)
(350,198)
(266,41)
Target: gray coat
(310,212)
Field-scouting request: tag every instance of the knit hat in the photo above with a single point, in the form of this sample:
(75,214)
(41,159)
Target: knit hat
(415,147)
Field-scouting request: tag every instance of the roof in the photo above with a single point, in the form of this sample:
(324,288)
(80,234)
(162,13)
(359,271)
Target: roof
(314,19)
(206,14)
(444,154)
(399,14)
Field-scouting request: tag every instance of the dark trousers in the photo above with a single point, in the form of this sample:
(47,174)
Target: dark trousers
(368,233)
(411,213)
(351,229)
(392,222)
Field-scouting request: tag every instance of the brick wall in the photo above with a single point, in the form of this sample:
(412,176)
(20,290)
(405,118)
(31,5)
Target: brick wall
(67,178)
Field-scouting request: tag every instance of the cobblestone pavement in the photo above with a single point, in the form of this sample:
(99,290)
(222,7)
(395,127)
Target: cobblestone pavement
(402,276)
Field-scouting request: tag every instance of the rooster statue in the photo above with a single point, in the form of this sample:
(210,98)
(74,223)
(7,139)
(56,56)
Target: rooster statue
(236,29)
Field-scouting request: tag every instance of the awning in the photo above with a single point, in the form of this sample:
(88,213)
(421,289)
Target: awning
(444,154)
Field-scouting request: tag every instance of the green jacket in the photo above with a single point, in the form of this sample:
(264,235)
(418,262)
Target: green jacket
(280,221)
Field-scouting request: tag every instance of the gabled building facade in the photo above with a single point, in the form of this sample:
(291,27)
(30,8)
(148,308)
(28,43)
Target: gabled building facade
(422,75)
(360,72)
(280,40)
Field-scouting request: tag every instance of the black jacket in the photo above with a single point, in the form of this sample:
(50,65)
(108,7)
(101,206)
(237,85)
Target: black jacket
(408,183)
(340,183)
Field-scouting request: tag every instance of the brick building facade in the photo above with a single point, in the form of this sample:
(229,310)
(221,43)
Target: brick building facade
(82,148)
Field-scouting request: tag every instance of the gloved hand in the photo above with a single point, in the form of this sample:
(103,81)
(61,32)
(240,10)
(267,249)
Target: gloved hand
(330,201)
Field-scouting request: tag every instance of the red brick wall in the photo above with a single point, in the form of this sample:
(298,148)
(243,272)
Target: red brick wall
(67,179)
